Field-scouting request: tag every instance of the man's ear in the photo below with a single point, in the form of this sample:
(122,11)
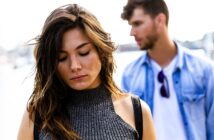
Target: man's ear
(160,19)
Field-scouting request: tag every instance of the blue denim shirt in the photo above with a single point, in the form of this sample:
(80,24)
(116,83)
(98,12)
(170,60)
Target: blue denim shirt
(193,81)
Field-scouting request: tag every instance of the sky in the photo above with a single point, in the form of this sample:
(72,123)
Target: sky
(22,20)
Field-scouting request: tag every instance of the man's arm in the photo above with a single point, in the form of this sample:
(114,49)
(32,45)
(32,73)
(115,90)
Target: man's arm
(210,103)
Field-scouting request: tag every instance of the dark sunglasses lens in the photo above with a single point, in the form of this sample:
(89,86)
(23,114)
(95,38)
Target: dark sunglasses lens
(161,76)
(163,92)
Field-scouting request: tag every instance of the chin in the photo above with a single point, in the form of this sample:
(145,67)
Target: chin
(142,48)
(79,86)
(82,86)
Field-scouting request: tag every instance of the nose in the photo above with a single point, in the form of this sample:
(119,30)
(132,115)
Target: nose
(75,64)
(132,32)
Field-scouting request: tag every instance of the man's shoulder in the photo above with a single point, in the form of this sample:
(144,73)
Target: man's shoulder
(197,58)
(197,55)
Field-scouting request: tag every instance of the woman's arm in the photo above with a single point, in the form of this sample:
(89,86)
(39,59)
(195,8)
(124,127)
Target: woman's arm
(148,126)
(26,128)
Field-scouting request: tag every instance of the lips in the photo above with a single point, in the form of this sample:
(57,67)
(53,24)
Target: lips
(78,77)
(138,41)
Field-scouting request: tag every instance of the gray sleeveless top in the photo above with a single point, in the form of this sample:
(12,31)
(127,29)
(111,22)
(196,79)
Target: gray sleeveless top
(92,115)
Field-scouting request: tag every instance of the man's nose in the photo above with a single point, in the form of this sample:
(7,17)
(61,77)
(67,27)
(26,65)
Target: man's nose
(132,32)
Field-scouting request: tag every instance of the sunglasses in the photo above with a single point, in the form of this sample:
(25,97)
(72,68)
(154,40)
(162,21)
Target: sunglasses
(164,90)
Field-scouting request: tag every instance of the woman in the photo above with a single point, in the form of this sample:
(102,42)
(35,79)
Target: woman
(75,96)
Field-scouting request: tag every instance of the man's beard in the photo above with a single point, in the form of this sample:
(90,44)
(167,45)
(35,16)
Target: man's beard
(150,42)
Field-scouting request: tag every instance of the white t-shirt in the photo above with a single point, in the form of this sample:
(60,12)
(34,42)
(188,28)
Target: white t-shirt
(166,114)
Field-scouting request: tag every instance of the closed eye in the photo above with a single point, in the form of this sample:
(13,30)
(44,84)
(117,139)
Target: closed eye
(84,53)
(62,58)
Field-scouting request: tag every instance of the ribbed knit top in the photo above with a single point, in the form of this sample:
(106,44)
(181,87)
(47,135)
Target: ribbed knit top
(92,116)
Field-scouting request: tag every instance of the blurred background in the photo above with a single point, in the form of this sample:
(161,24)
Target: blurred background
(190,23)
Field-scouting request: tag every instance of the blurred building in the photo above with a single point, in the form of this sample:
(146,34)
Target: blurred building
(23,53)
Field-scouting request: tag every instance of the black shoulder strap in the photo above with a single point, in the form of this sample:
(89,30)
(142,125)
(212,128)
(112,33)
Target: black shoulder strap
(37,122)
(138,116)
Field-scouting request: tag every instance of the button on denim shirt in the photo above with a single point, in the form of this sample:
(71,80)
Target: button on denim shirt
(193,80)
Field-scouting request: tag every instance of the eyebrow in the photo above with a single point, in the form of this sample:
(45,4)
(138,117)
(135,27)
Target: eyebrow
(82,45)
(79,46)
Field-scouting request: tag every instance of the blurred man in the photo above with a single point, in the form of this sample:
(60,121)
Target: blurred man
(177,85)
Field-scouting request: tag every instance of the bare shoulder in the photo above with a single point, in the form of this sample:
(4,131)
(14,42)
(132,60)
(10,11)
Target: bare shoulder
(123,107)
(26,128)
(145,107)
(123,102)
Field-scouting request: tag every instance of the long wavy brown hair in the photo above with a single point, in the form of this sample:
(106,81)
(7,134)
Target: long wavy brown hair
(49,93)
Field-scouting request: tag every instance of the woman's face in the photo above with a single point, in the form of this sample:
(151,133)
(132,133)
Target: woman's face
(79,64)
